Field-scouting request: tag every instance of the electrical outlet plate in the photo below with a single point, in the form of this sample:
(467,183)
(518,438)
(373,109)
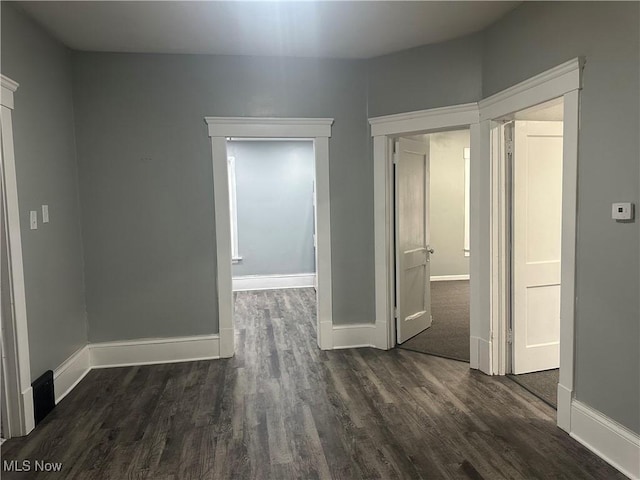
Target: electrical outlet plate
(45,213)
(622,211)
(33,219)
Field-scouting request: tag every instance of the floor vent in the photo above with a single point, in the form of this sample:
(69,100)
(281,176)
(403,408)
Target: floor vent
(43,396)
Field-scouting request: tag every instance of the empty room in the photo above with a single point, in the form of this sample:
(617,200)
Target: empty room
(333,240)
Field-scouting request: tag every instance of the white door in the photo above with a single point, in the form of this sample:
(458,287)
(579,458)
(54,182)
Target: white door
(537,219)
(413,295)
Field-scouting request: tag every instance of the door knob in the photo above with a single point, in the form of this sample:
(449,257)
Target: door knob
(431,251)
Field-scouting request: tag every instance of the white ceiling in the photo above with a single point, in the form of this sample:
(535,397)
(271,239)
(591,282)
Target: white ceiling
(301,29)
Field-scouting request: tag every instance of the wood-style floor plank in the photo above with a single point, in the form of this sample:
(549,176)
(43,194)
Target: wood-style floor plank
(282,409)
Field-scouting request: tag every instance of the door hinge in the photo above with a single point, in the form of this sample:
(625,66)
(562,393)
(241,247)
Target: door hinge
(396,157)
(509,336)
(395,312)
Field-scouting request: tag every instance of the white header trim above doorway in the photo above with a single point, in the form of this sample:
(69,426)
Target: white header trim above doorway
(422,120)
(255,127)
(316,129)
(545,86)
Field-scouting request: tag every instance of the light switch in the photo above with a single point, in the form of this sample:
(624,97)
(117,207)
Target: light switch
(33,219)
(45,213)
(622,211)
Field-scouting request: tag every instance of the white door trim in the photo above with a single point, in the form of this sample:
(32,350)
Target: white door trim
(383,130)
(18,366)
(316,129)
(561,81)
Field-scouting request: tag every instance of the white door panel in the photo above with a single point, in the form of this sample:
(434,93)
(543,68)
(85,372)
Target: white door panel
(413,300)
(537,218)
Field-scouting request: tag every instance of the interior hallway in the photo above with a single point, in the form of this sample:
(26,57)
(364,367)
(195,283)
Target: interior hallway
(283,409)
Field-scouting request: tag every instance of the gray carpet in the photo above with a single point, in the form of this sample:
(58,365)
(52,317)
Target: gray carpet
(543,385)
(448,336)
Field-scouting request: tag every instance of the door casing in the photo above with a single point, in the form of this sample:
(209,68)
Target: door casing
(316,129)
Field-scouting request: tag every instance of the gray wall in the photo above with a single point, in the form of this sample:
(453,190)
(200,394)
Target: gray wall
(535,37)
(447,202)
(43,127)
(146,187)
(431,76)
(274,191)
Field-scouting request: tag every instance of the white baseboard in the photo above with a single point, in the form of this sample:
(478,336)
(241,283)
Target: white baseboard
(353,336)
(153,351)
(129,353)
(448,278)
(272,282)
(611,441)
(480,355)
(70,372)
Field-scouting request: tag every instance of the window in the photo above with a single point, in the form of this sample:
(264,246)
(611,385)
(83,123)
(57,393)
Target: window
(233,207)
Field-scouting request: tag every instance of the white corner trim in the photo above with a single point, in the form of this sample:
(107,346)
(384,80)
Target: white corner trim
(545,86)
(8,88)
(71,372)
(421,120)
(154,351)
(353,335)
(264,127)
(565,397)
(611,441)
(271,282)
(480,355)
(449,278)
(26,400)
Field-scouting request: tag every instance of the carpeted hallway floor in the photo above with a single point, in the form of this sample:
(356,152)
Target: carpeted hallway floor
(448,336)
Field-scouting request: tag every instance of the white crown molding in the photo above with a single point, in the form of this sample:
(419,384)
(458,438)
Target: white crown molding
(545,86)
(611,441)
(269,127)
(422,120)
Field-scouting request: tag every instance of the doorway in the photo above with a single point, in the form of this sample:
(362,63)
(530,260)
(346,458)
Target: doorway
(532,141)
(273,218)
(315,130)
(446,332)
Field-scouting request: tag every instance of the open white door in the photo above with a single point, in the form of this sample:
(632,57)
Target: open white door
(537,223)
(413,294)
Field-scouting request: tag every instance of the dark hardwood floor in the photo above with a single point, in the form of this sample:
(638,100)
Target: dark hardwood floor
(282,409)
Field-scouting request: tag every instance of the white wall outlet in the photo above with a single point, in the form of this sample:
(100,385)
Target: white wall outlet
(622,211)
(33,219)
(45,213)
